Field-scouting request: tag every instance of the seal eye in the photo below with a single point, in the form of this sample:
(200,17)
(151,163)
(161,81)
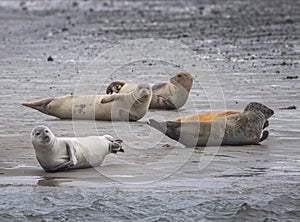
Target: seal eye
(179,76)
(38,133)
(46,131)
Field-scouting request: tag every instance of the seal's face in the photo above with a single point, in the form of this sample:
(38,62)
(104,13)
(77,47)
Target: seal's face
(254,106)
(184,79)
(41,135)
(144,90)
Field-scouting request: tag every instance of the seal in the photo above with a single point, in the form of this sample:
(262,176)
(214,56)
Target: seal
(165,95)
(60,154)
(245,128)
(120,107)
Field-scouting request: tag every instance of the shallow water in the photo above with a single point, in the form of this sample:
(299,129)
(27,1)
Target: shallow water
(250,48)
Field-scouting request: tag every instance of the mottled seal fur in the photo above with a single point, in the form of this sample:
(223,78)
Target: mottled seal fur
(165,95)
(121,107)
(238,129)
(59,154)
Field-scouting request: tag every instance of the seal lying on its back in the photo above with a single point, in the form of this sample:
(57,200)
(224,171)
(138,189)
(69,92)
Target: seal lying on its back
(165,95)
(121,107)
(238,129)
(59,154)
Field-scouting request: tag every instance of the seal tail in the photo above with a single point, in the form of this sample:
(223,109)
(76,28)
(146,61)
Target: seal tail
(116,146)
(39,105)
(170,128)
(160,126)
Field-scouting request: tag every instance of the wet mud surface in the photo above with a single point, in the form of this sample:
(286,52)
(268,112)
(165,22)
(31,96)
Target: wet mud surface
(252,50)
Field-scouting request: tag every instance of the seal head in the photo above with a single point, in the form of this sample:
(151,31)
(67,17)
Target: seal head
(143,92)
(258,107)
(183,79)
(41,135)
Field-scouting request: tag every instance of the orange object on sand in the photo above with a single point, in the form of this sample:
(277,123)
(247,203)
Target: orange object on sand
(206,116)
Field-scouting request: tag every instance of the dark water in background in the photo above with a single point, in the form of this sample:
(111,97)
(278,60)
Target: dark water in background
(252,48)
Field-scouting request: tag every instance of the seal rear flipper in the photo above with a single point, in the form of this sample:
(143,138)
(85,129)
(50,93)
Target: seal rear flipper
(115,86)
(116,146)
(158,86)
(169,128)
(40,105)
(162,127)
(266,124)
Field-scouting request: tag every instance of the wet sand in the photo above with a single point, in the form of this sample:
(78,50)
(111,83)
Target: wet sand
(251,48)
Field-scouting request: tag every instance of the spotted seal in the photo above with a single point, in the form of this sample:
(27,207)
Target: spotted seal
(238,129)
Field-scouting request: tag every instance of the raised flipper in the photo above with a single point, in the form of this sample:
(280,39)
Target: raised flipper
(115,86)
(108,99)
(116,146)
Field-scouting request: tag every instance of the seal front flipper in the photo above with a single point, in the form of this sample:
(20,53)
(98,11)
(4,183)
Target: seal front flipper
(242,121)
(264,136)
(115,86)
(61,167)
(108,99)
(71,152)
(165,102)
(158,86)
(40,105)
(266,124)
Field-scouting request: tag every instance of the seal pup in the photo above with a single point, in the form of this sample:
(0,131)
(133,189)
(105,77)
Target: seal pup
(59,154)
(165,95)
(120,107)
(238,129)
